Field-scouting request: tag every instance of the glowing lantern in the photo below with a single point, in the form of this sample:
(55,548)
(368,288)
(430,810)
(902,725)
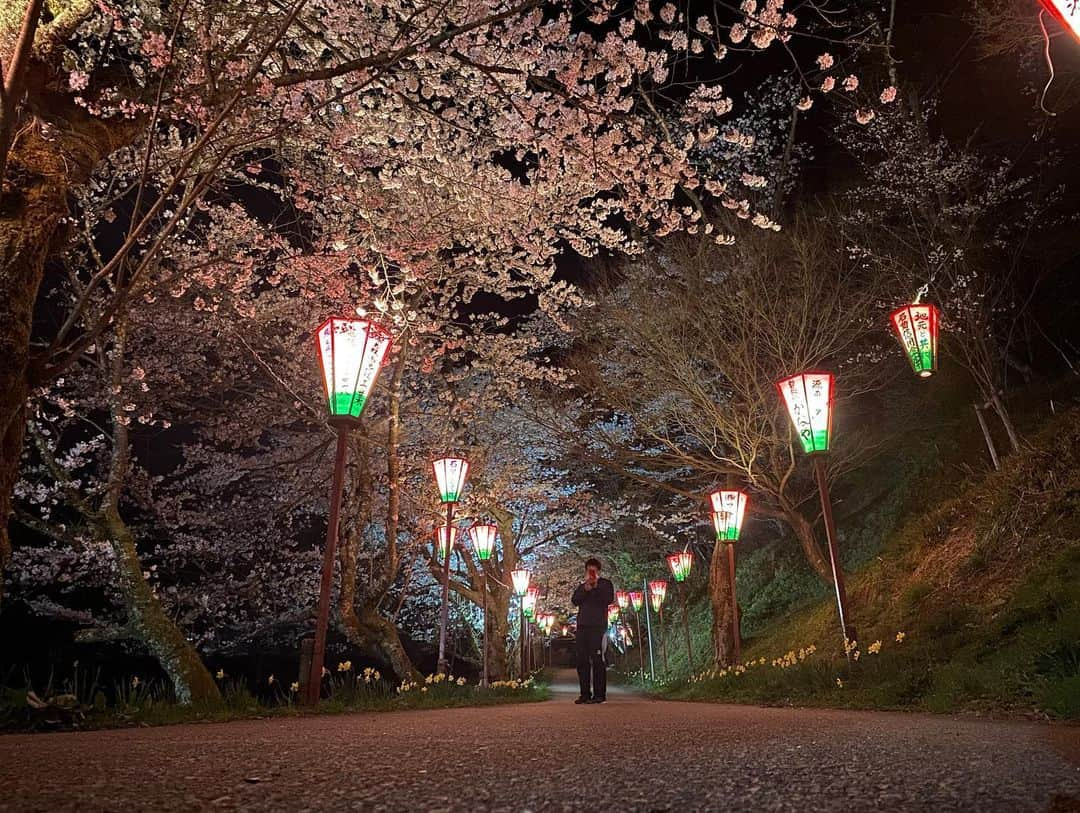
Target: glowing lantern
(637,600)
(728,510)
(565,631)
(444,540)
(917,328)
(351,352)
(657,594)
(680,564)
(808,398)
(520,578)
(483,540)
(622,598)
(450,474)
(1066,12)
(612,613)
(528,602)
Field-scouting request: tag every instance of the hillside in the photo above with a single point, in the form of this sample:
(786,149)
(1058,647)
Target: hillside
(984,587)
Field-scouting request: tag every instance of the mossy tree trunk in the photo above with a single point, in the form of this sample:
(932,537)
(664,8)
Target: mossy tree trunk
(40,172)
(150,625)
(723,636)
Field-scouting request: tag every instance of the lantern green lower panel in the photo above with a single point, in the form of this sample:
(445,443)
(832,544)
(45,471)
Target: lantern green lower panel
(923,360)
(347,403)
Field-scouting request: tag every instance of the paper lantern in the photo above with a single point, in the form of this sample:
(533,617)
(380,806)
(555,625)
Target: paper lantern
(917,328)
(657,594)
(622,598)
(808,398)
(520,579)
(680,564)
(528,601)
(483,539)
(1066,12)
(450,474)
(351,353)
(445,541)
(612,613)
(637,600)
(728,510)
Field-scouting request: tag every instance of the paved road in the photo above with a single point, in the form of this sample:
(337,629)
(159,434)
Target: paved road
(630,754)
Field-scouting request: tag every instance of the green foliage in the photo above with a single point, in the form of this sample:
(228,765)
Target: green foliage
(138,702)
(987,596)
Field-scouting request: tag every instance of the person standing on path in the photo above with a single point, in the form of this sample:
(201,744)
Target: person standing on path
(592,598)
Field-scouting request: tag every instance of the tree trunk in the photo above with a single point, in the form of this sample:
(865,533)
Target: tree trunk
(804,533)
(1006,421)
(498,633)
(363,625)
(40,173)
(30,215)
(723,637)
(367,629)
(149,624)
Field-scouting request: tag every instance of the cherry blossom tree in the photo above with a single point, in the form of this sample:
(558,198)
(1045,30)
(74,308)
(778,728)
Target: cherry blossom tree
(508,113)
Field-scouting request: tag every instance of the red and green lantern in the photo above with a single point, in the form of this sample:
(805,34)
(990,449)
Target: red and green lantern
(657,594)
(612,613)
(916,326)
(450,474)
(520,580)
(680,565)
(529,600)
(809,398)
(637,600)
(445,539)
(483,539)
(728,510)
(351,353)
(622,598)
(1066,12)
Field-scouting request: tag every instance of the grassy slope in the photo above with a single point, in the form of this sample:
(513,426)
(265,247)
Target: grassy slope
(985,586)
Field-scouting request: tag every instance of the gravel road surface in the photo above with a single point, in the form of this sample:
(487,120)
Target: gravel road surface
(628,754)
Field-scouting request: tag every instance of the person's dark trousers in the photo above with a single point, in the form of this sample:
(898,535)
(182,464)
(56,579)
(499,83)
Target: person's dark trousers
(590,662)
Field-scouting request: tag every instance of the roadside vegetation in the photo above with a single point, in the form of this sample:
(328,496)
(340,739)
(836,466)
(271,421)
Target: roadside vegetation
(80,702)
(971,604)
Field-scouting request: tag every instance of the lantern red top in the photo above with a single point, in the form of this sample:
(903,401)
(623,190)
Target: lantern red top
(637,600)
(622,598)
(1066,12)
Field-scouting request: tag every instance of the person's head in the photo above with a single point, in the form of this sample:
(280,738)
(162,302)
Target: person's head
(592,568)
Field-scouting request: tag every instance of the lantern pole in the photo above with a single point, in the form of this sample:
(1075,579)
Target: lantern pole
(484,659)
(444,613)
(734,603)
(663,641)
(641,648)
(683,589)
(521,636)
(322,620)
(648,628)
(834,555)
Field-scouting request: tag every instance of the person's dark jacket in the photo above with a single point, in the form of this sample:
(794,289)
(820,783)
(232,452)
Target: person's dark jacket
(592,604)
